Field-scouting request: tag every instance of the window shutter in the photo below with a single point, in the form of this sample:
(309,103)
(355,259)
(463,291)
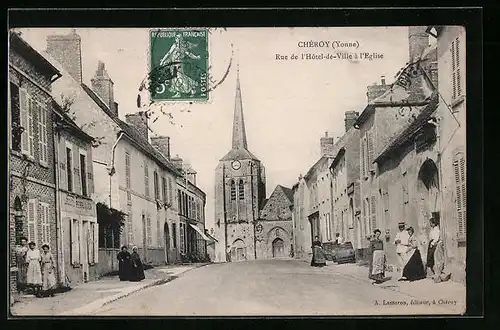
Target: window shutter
(170,192)
(96,242)
(373,213)
(63,184)
(31,127)
(23,109)
(149,234)
(81,244)
(369,137)
(42,131)
(32,215)
(45,224)
(363,160)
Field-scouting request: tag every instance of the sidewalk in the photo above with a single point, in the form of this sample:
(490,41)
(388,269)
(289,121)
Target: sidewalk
(444,293)
(88,297)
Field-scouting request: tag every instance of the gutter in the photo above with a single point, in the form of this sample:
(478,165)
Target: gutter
(111,166)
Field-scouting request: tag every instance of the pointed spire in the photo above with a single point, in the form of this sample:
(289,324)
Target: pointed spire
(239,134)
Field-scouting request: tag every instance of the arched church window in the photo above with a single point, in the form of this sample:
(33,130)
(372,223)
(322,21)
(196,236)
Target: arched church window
(233,190)
(241,190)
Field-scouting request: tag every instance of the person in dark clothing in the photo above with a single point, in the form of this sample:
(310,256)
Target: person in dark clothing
(414,269)
(318,258)
(137,273)
(124,264)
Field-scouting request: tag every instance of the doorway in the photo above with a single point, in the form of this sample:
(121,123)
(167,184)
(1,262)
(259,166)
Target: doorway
(238,250)
(166,236)
(278,248)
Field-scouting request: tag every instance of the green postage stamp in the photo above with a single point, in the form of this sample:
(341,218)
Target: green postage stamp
(178,65)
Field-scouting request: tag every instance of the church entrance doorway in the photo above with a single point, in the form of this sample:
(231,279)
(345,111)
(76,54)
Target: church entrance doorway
(238,251)
(278,248)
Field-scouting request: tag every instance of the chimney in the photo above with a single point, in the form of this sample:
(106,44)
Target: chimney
(350,119)
(67,50)
(139,121)
(326,145)
(102,85)
(162,143)
(418,40)
(376,90)
(177,162)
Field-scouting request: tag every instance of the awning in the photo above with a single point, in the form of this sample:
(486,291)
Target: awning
(202,234)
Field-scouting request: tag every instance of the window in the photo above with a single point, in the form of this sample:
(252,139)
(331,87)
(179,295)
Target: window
(43,217)
(15,117)
(127,169)
(146,179)
(32,221)
(69,167)
(170,190)
(233,191)
(156,184)
(241,190)
(83,173)
(461,194)
(182,236)
(179,200)
(164,185)
(130,226)
(174,235)
(42,133)
(75,241)
(366,213)
(455,69)
(373,213)
(149,234)
(26,107)
(94,236)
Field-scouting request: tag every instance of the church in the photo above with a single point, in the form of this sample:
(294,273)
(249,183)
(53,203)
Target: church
(247,225)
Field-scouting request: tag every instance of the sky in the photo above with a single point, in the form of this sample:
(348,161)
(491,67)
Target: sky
(288,104)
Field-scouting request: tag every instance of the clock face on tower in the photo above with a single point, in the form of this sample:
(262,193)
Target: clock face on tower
(236,165)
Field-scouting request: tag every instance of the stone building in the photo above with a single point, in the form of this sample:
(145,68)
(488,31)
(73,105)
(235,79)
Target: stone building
(451,140)
(240,190)
(274,229)
(397,150)
(130,174)
(191,204)
(79,230)
(32,176)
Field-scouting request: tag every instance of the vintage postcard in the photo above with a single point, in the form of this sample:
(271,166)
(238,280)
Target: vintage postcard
(237,171)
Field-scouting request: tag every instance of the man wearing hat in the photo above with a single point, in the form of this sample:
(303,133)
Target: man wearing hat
(401,242)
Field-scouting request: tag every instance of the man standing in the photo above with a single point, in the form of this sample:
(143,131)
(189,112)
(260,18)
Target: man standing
(339,239)
(401,242)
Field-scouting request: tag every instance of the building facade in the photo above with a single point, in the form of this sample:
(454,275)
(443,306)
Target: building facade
(32,177)
(240,190)
(274,228)
(130,174)
(77,215)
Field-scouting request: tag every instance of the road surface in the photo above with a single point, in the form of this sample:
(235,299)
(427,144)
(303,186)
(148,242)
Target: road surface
(267,287)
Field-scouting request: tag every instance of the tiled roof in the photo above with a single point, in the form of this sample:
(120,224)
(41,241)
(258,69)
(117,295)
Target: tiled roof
(340,153)
(133,134)
(288,193)
(321,161)
(411,129)
(239,153)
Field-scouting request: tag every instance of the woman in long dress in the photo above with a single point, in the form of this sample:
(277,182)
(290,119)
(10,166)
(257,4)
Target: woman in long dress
(137,273)
(34,273)
(318,258)
(414,268)
(378,258)
(22,264)
(48,272)
(435,253)
(124,264)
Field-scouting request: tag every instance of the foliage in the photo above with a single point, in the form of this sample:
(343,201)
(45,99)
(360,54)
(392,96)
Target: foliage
(111,223)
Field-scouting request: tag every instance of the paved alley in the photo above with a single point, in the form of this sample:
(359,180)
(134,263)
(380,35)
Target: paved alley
(283,287)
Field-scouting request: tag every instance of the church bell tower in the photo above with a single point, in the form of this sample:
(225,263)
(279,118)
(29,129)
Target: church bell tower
(240,190)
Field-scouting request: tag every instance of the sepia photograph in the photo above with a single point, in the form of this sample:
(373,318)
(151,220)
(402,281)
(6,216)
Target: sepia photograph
(238,171)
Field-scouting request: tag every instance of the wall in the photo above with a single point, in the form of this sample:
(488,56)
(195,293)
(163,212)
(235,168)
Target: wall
(272,230)
(39,181)
(452,141)
(302,226)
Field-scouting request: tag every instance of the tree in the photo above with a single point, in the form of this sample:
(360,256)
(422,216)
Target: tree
(111,223)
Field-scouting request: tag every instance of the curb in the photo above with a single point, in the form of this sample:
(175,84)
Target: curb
(96,305)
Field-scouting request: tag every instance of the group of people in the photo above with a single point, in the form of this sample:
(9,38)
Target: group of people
(410,260)
(130,266)
(35,270)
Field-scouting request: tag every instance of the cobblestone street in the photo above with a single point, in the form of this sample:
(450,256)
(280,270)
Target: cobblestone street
(287,287)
